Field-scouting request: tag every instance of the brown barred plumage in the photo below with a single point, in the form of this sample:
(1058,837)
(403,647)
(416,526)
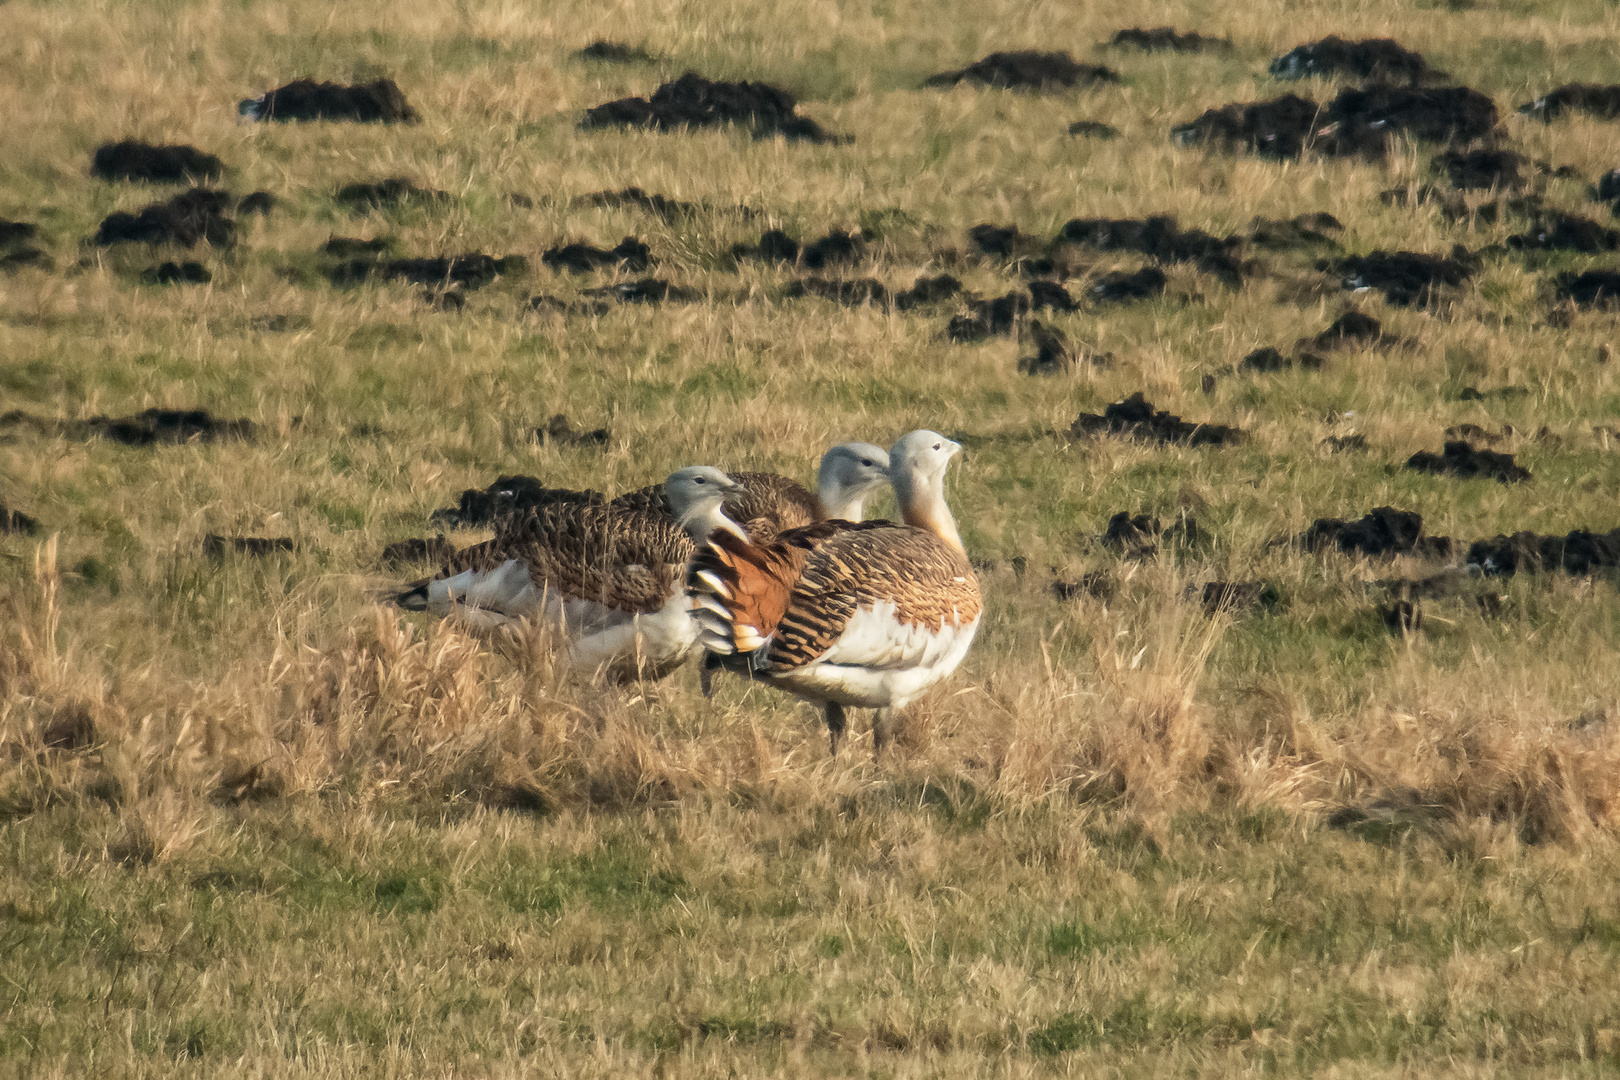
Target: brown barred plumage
(784,503)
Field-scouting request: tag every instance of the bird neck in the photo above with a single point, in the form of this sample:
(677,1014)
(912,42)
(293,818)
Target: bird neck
(705,517)
(839,503)
(922,506)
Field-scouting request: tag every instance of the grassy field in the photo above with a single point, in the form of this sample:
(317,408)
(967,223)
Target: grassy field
(251,823)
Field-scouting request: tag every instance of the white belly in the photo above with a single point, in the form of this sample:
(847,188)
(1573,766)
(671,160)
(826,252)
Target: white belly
(596,636)
(879,662)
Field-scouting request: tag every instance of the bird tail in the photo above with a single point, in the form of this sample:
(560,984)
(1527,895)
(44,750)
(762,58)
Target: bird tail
(739,591)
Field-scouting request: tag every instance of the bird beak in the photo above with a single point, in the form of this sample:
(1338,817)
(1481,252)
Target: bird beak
(734,488)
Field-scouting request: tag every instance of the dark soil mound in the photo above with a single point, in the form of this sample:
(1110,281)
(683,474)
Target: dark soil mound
(507,496)
(1139,535)
(376,102)
(15,521)
(257,546)
(1166,39)
(658,205)
(1579,552)
(1592,287)
(1136,418)
(1406,277)
(1353,330)
(1384,531)
(1055,354)
(613,52)
(1159,237)
(177,273)
(1602,102)
(774,246)
(1559,231)
(644,291)
(1607,190)
(1481,170)
(1234,596)
(257,202)
(1027,69)
(1097,583)
(855,292)
(435,549)
(1268,360)
(996,240)
(1371,58)
(1050,296)
(835,247)
(1303,232)
(24,255)
(693,101)
(1281,128)
(560,431)
(132,160)
(1359,122)
(629,253)
(989,318)
(471,271)
(188,219)
(1093,129)
(1120,287)
(163,426)
(1461,460)
(928,290)
(390,192)
(16,232)
(1403,617)
(1338,444)
(350,247)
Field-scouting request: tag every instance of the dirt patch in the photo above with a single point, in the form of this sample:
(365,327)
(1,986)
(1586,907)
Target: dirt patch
(1602,102)
(695,102)
(1339,444)
(1481,170)
(256,546)
(1608,189)
(177,273)
(380,102)
(1159,237)
(1353,330)
(928,290)
(614,52)
(989,318)
(854,292)
(1119,287)
(470,271)
(774,246)
(1475,433)
(1166,39)
(1055,354)
(1267,360)
(433,549)
(633,197)
(1136,418)
(1592,288)
(256,202)
(1474,393)
(1357,123)
(1138,536)
(629,254)
(1027,69)
(998,241)
(1050,296)
(643,291)
(1459,459)
(175,164)
(835,248)
(1555,230)
(152,427)
(561,432)
(1305,232)
(16,232)
(1403,617)
(1093,129)
(1407,277)
(390,192)
(15,521)
(1234,596)
(507,496)
(1383,59)
(1098,583)
(1445,585)
(1579,552)
(1383,531)
(15,250)
(190,218)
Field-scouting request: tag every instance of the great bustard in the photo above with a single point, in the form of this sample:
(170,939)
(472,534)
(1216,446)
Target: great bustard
(848,615)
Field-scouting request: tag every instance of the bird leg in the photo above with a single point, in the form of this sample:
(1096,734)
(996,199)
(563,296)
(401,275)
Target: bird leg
(711,664)
(835,725)
(882,730)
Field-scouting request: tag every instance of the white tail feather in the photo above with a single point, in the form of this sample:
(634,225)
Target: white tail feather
(716,586)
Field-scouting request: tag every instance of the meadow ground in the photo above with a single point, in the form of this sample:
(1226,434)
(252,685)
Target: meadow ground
(255,824)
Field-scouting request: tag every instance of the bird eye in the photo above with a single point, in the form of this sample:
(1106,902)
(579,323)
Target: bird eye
(867,462)
(701,480)
(936,446)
